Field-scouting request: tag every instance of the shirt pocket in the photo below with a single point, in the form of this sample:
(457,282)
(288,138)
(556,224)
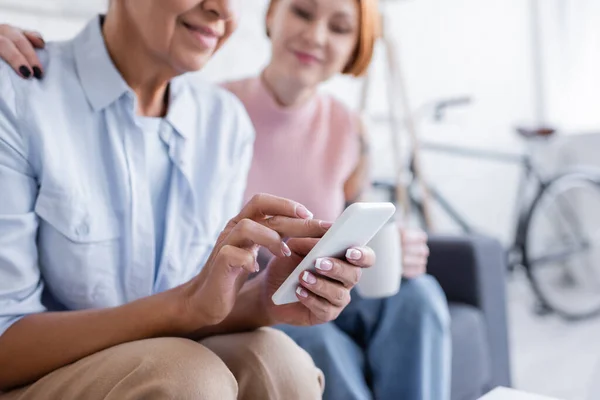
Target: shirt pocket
(78,221)
(79,250)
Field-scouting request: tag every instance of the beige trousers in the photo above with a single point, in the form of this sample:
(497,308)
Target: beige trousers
(264,364)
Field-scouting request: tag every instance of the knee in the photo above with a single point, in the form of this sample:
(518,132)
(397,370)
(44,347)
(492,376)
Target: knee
(177,368)
(277,366)
(426,301)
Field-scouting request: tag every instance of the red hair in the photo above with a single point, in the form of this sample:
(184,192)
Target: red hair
(369,31)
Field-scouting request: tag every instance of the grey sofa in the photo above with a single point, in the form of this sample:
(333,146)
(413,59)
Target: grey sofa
(471,270)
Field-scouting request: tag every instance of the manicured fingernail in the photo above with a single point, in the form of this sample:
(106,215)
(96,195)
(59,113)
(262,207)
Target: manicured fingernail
(302,212)
(353,254)
(323,264)
(37,72)
(39,36)
(325,224)
(309,278)
(26,72)
(285,249)
(301,292)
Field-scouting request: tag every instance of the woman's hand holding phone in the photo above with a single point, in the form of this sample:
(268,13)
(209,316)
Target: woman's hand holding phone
(323,294)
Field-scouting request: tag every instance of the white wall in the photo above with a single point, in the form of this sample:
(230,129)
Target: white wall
(474,47)
(572,50)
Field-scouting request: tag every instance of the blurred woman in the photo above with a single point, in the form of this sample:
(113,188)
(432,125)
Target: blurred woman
(312,148)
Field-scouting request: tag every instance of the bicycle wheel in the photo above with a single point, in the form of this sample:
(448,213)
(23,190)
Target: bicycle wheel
(561,249)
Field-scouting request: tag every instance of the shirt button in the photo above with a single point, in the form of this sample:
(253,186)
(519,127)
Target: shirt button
(82,229)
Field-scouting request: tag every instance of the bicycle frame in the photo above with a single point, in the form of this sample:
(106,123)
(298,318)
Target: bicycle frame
(530,175)
(536,191)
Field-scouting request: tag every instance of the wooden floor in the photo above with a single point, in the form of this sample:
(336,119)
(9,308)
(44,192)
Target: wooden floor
(550,356)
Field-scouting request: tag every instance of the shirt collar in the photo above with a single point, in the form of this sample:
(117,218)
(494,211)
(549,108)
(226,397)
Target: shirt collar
(103,83)
(100,79)
(181,114)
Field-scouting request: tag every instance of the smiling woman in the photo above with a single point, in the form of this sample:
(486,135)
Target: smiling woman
(368,31)
(356,23)
(169,35)
(121,235)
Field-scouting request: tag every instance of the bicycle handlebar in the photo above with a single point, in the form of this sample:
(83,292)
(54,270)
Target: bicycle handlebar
(442,105)
(436,107)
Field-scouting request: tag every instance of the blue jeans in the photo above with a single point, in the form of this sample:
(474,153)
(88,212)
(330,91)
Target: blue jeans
(393,348)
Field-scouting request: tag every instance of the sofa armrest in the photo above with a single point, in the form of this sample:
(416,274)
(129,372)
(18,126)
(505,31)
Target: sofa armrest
(472,270)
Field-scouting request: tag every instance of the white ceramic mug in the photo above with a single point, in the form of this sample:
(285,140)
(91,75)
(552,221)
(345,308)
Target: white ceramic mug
(383,279)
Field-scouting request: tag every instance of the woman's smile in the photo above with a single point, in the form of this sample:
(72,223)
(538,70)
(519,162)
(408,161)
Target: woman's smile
(206,37)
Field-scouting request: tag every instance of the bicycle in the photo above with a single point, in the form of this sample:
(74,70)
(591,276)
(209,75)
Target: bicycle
(552,240)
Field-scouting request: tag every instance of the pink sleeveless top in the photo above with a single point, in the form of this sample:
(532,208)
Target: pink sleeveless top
(302,153)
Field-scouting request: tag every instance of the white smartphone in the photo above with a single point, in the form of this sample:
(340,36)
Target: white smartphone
(357,225)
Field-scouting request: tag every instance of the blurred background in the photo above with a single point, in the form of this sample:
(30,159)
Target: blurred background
(518,63)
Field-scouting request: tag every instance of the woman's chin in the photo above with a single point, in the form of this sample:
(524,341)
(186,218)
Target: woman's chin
(306,78)
(191,64)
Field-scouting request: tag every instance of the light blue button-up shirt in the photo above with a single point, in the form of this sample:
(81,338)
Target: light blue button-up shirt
(76,219)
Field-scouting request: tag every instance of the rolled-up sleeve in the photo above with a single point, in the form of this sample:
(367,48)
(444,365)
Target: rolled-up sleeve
(20,278)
